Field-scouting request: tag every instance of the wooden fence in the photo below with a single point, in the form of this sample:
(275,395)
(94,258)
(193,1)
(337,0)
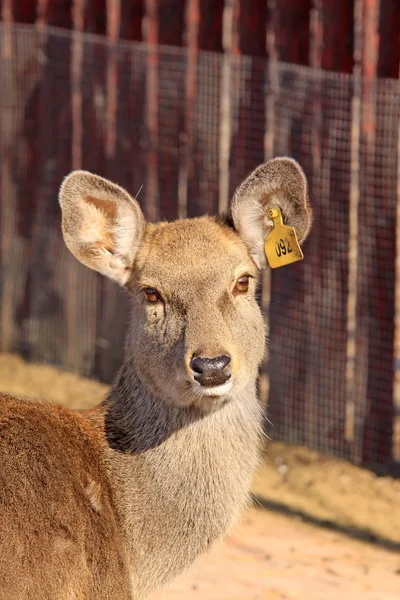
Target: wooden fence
(181,99)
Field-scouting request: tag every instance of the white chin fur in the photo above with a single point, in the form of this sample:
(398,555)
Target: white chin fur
(218,390)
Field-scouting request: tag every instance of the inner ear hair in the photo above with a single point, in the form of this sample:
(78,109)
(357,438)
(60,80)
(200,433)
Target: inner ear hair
(97,229)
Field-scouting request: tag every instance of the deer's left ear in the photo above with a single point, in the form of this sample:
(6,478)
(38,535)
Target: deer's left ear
(278,183)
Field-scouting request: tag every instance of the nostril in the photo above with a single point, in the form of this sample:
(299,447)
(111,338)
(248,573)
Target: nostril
(196,364)
(224,360)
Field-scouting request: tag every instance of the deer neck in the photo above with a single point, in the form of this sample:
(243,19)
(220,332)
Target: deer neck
(181,477)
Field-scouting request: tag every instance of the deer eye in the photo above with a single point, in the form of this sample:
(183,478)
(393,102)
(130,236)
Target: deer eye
(151,295)
(242,284)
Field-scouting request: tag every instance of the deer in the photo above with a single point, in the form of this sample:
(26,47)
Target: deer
(112,502)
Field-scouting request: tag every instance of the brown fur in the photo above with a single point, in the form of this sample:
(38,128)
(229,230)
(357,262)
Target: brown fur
(108,504)
(53,543)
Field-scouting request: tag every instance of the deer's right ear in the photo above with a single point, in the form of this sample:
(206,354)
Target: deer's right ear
(102,224)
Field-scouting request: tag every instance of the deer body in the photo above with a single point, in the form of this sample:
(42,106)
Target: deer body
(109,503)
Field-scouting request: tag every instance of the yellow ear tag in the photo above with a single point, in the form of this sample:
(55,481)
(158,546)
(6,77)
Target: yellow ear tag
(281,245)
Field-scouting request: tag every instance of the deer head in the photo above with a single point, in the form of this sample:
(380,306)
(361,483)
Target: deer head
(197,335)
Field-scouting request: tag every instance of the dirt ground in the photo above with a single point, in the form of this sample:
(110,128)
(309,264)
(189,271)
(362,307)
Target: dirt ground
(272,557)
(279,553)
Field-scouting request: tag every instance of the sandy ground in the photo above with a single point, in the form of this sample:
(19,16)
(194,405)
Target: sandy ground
(271,557)
(274,555)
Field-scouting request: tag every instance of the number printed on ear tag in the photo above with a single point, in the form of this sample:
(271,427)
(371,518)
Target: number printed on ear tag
(281,245)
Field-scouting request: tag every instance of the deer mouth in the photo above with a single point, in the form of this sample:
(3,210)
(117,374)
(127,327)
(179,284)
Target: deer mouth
(192,392)
(213,391)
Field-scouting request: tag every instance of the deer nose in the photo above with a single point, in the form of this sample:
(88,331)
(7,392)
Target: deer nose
(211,371)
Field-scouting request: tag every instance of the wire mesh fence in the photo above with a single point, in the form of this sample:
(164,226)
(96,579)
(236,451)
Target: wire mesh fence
(180,132)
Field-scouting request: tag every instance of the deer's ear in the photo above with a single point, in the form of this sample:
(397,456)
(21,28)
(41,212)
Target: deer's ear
(102,224)
(280,183)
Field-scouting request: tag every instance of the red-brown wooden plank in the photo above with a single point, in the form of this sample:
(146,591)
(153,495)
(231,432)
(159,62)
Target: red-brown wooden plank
(131,20)
(293,31)
(389,32)
(150,35)
(203,175)
(396,352)
(248,139)
(252,27)
(337,35)
(113,28)
(171,21)
(24,11)
(316,396)
(289,363)
(229,98)
(377,247)
(171,108)
(7,13)
(78,21)
(210,26)
(8,208)
(325,275)
(270,133)
(58,14)
(354,358)
(186,150)
(96,17)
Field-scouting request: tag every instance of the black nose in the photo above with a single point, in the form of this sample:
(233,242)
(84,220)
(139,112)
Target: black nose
(211,371)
